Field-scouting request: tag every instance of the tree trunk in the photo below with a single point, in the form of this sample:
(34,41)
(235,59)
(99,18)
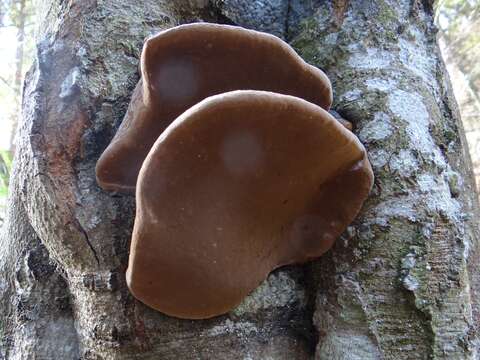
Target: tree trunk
(400,283)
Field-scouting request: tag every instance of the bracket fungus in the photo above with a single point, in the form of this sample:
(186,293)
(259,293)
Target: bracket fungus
(237,165)
(238,185)
(186,64)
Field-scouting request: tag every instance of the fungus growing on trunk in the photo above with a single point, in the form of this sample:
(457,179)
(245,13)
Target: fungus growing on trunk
(186,64)
(238,185)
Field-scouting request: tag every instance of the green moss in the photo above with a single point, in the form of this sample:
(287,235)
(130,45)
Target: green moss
(307,49)
(5,166)
(386,15)
(306,42)
(130,48)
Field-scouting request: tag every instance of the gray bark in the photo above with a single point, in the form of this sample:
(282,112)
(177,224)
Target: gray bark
(401,282)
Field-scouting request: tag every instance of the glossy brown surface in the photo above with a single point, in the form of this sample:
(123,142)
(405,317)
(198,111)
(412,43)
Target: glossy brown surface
(184,65)
(238,185)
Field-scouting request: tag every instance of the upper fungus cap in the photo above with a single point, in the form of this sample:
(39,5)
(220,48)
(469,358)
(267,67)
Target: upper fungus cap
(238,185)
(186,64)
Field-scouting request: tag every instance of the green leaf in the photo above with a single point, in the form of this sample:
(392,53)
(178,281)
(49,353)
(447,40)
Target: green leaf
(5,168)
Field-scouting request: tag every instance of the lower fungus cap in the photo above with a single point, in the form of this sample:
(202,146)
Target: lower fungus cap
(238,185)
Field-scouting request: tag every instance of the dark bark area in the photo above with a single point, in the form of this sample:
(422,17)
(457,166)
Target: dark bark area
(37,318)
(400,283)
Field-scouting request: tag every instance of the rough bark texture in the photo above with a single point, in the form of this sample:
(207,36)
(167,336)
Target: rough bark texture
(401,283)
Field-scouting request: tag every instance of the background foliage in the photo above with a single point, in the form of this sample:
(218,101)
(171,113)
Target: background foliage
(5,166)
(16,51)
(459,24)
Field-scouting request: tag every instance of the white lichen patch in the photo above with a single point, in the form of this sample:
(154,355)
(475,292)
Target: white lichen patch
(379,128)
(70,83)
(410,283)
(398,207)
(278,290)
(371,58)
(230,327)
(439,196)
(409,261)
(427,229)
(433,192)
(331,39)
(385,85)
(378,158)
(414,56)
(409,107)
(350,95)
(405,163)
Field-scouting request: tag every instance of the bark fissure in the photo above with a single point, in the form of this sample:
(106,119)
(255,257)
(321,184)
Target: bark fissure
(88,242)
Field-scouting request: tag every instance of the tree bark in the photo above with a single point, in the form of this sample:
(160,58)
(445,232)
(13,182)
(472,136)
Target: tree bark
(400,283)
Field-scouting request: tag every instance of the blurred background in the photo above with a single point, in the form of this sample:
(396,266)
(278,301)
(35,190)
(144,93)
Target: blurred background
(459,36)
(17,25)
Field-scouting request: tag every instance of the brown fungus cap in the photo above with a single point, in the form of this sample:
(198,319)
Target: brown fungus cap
(186,64)
(238,185)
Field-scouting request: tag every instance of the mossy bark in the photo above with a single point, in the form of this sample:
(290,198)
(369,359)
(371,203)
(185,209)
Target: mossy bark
(400,283)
